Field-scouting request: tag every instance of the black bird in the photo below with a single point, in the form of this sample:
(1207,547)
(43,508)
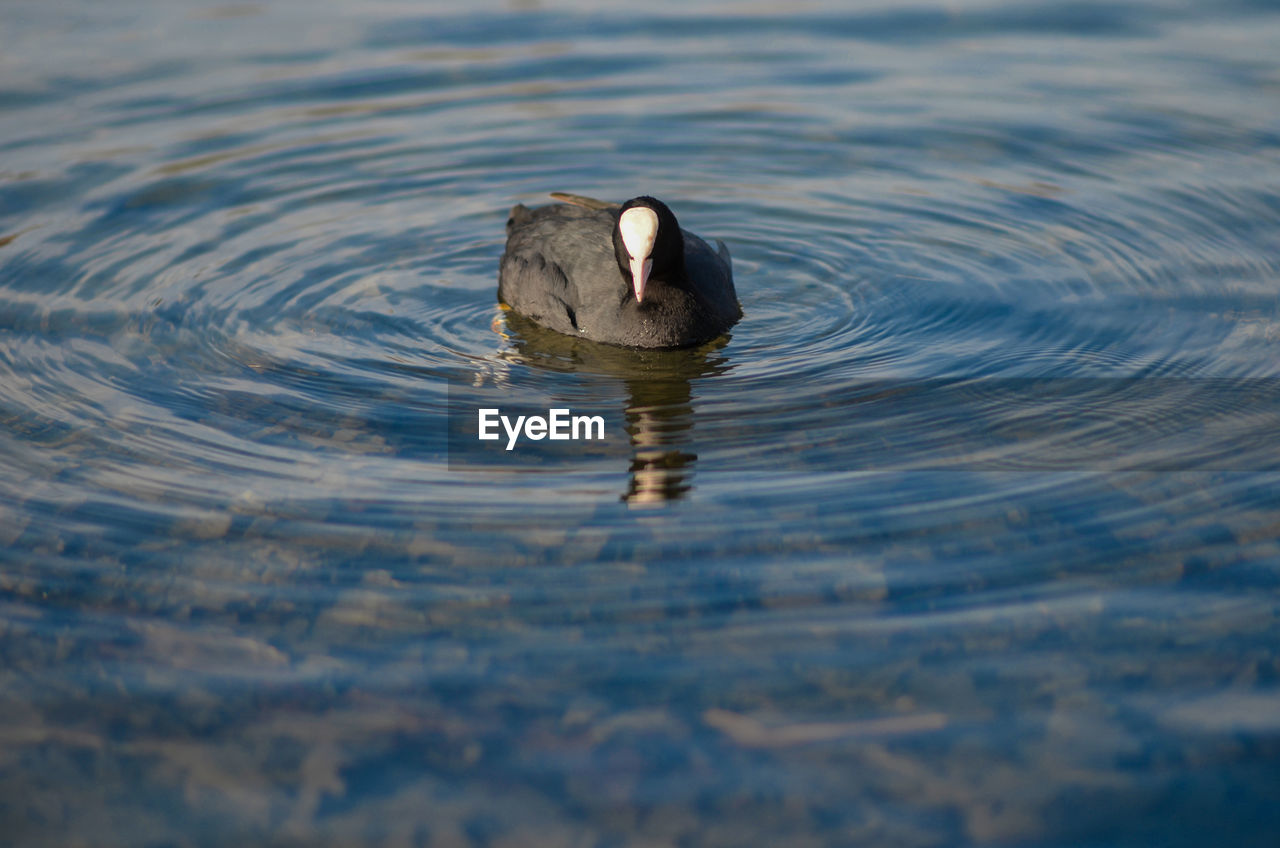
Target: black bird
(623,275)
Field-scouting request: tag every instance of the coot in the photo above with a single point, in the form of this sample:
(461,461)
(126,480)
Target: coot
(620,274)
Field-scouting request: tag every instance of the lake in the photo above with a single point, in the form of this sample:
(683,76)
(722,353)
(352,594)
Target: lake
(968,533)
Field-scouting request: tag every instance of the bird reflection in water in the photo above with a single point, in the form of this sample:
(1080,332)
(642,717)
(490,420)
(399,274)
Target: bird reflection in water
(659,422)
(659,410)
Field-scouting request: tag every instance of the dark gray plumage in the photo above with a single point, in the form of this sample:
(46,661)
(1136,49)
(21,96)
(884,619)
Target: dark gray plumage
(566,267)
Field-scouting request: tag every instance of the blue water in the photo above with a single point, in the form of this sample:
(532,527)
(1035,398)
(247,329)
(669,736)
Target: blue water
(967,534)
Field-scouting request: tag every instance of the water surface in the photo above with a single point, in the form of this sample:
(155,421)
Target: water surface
(966,534)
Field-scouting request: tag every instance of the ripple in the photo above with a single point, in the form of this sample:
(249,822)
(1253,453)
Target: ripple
(996,422)
(304,268)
